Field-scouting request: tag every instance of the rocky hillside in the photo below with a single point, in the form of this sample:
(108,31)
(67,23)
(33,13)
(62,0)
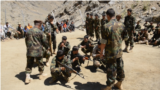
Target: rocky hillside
(71,10)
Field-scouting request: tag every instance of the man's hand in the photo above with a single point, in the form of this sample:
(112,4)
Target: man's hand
(63,68)
(62,44)
(57,31)
(155,43)
(76,58)
(83,46)
(49,34)
(90,45)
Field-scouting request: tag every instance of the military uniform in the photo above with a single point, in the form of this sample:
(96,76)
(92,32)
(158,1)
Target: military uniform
(91,27)
(146,25)
(113,51)
(55,68)
(150,28)
(137,30)
(51,28)
(103,22)
(97,27)
(156,37)
(35,41)
(129,23)
(65,49)
(87,25)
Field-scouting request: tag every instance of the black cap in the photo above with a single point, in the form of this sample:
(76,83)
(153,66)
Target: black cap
(130,10)
(87,13)
(75,48)
(64,38)
(51,17)
(96,14)
(86,36)
(60,53)
(103,14)
(91,14)
(99,43)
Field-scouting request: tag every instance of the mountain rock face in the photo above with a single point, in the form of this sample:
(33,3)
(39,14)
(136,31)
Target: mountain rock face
(25,12)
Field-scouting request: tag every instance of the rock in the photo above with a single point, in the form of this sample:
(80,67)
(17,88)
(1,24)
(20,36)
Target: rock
(154,8)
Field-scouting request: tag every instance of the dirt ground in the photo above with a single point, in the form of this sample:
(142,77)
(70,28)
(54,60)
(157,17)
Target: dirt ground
(142,69)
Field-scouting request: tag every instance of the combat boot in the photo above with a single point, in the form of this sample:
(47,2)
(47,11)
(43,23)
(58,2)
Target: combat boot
(126,49)
(42,75)
(28,78)
(131,49)
(107,88)
(118,85)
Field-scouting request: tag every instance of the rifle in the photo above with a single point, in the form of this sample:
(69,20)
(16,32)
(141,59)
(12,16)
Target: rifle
(70,69)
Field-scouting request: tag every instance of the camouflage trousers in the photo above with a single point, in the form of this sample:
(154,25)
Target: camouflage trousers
(19,35)
(97,32)
(56,74)
(87,30)
(130,40)
(53,40)
(84,50)
(91,32)
(115,71)
(30,62)
(46,54)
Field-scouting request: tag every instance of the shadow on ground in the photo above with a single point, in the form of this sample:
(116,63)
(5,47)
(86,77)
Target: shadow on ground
(94,69)
(22,75)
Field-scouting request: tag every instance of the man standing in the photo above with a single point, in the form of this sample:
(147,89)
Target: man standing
(112,43)
(91,27)
(87,24)
(97,25)
(7,31)
(64,45)
(103,22)
(51,31)
(129,23)
(35,41)
(57,70)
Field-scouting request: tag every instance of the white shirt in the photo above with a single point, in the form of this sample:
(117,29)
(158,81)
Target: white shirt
(6,29)
(94,53)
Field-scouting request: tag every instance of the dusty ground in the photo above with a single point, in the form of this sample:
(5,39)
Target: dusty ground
(142,69)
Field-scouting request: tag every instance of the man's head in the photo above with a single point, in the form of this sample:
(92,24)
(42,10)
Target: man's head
(64,39)
(28,24)
(91,15)
(96,16)
(103,15)
(25,27)
(38,23)
(75,49)
(49,15)
(67,20)
(151,23)
(118,17)
(99,44)
(72,22)
(60,54)
(51,18)
(87,14)
(19,24)
(110,14)
(7,23)
(85,38)
(129,12)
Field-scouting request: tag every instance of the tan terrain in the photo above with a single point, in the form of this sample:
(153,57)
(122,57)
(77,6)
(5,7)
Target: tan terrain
(142,69)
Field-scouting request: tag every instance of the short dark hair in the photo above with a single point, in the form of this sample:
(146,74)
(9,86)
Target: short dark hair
(130,10)
(110,12)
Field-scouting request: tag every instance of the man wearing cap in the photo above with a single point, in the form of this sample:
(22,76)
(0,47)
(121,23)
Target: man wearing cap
(57,70)
(103,22)
(155,40)
(112,43)
(91,26)
(7,30)
(96,55)
(129,23)
(20,32)
(51,30)
(143,38)
(76,58)
(150,27)
(64,45)
(118,17)
(35,41)
(87,24)
(86,46)
(97,25)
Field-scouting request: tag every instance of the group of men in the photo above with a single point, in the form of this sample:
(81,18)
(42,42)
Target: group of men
(108,52)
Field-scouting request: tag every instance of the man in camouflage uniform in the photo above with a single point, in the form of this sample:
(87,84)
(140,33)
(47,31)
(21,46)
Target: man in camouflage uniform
(76,58)
(129,23)
(112,43)
(91,27)
(64,45)
(137,30)
(155,40)
(150,27)
(35,41)
(57,70)
(87,24)
(103,22)
(143,38)
(97,25)
(51,30)
(86,46)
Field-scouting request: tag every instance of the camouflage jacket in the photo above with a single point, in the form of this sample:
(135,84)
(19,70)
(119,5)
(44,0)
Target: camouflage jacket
(56,67)
(113,39)
(91,23)
(86,43)
(129,22)
(65,49)
(103,22)
(97,24)
(35,41)
(138,28)
(50,28)
(87,22)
